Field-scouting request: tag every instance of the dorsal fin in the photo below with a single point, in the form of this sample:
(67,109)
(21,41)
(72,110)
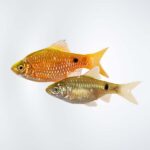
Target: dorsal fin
(77,72)
(60,45)
(94,73)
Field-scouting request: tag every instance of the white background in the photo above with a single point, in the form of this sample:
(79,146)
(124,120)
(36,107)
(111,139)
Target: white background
(30,119)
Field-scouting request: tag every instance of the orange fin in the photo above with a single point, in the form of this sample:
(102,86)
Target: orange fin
(95,58)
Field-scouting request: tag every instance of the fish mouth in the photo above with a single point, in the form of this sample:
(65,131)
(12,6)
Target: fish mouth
(14,68)
(48,90)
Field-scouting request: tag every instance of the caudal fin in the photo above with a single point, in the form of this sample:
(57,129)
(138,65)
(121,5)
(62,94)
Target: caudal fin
(95,61)
(126,89)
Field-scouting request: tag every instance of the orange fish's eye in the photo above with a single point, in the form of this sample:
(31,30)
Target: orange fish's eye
(21,68)
(75,60)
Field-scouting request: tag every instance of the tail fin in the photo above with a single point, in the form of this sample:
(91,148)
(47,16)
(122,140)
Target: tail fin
(125,91)
(95,58)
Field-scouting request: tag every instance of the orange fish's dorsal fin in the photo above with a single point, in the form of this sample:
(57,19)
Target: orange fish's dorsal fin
(60,45)
(94,73)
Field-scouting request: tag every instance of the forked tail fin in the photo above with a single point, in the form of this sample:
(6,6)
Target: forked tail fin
(95,61)
(126,89)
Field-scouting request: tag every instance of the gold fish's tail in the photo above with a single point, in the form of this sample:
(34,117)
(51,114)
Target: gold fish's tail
(94,61)
(124,90)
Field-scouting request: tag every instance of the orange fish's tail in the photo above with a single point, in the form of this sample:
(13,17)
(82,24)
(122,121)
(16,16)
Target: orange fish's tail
(95,61)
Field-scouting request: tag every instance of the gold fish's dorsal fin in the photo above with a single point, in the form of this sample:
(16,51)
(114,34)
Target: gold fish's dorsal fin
(94,73)
(60,45)
(77,72)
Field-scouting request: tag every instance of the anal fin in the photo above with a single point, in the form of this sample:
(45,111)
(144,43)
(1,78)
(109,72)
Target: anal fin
(91,104)
(106,98)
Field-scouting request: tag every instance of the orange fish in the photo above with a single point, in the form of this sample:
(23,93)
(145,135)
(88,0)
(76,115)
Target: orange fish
(55,63)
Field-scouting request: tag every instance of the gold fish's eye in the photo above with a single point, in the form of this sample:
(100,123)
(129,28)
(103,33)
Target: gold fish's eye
(75,60)
(106,87)
(21,68)
(55,90)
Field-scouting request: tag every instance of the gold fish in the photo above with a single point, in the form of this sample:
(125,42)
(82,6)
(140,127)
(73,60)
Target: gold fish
(55,63)
(88,87)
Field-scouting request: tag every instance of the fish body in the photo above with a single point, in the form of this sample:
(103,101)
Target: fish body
(82,89)
(86,88)
(55,63)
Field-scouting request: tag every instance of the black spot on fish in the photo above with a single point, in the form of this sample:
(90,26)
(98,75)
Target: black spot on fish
(106,86)
(75,60)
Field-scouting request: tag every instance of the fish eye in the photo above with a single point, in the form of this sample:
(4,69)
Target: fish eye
(21,67)
(55,90)
(106,86)
(75,60)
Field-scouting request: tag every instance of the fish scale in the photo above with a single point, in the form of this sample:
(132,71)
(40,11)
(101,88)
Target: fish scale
(81,89)
(55,63)
(54,67)
(88,87)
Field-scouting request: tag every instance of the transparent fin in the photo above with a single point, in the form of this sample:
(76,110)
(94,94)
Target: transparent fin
(106,98)
(60,45)
(126,89)
(94,73)
(91,104)
(77,72)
